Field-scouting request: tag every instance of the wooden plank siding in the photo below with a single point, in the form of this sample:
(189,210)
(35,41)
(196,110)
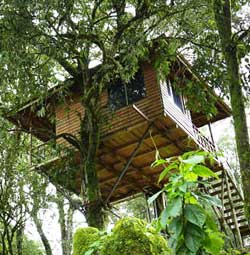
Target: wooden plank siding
(67,115)
(172,133)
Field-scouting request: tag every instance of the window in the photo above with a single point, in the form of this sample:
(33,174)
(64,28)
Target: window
(121,94)
(176,98)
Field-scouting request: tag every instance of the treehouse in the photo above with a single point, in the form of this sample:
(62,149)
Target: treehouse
(139,118)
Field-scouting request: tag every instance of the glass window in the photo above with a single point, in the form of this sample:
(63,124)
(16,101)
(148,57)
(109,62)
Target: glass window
(121,94)
(176,98)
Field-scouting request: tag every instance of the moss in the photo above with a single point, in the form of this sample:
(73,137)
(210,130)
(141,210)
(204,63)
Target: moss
(131,236)
(83,238)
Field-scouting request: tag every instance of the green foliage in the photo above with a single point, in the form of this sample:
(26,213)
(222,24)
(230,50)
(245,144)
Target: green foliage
(132,236)
(235,252)
(31,247)
(83,238)
(129,236)
(188,215)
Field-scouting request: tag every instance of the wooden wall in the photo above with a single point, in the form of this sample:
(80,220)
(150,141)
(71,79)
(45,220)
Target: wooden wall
(68,113)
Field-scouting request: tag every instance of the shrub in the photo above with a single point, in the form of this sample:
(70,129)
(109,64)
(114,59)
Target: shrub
(83,238)
(131,236)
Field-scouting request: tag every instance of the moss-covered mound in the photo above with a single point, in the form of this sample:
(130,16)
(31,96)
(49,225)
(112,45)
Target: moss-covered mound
(83,238)
(131,236)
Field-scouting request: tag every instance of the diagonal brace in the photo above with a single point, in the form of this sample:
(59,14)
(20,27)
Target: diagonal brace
(130,159)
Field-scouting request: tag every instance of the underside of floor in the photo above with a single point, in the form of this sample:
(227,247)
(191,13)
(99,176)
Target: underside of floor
(129,154)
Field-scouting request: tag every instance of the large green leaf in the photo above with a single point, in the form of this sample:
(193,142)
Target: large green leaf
(209,200)
(175,227)
(164,218)
(173,209)
(166,170)
(204,171)
(195,214)
(193,236)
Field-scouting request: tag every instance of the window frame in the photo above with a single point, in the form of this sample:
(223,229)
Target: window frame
(125,92)
(170,94)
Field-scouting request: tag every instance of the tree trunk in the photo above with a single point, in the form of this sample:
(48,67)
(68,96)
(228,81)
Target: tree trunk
(90,135)
(19,241)
(66,224)
(69,225)
(60,206)
(43,237)
(222,12)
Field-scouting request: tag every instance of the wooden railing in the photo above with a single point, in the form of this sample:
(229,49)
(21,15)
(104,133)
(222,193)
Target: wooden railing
(44,152)
(183,120)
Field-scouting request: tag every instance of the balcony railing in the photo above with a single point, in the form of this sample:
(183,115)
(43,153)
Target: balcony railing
(184,121)
(44,152)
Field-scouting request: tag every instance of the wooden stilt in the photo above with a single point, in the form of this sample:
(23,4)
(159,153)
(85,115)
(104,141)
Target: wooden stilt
(237,229)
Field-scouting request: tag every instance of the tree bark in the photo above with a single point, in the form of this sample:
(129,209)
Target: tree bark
(90,135)
(43,237)
(19,241)
(222,12)
(69,225)
(66,224)
(60,206)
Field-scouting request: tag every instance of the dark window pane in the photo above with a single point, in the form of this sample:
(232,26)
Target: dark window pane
(177,100)
(168,84)
(121,94)
(136,88)
(116,94)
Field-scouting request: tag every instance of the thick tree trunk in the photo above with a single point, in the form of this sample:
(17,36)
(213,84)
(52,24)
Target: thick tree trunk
(90,135)
(222,11)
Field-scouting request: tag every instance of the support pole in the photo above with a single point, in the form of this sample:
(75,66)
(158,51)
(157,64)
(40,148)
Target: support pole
(123,172)
(31,145)
(211,133)
(222,201)
(237,229)
(149,217)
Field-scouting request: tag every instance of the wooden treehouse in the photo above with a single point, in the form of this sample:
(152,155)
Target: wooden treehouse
(143,116)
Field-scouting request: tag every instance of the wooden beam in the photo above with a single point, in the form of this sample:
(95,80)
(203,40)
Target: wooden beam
(123,172)
(116,172)
(164,131)
(143,153)
(123,159)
